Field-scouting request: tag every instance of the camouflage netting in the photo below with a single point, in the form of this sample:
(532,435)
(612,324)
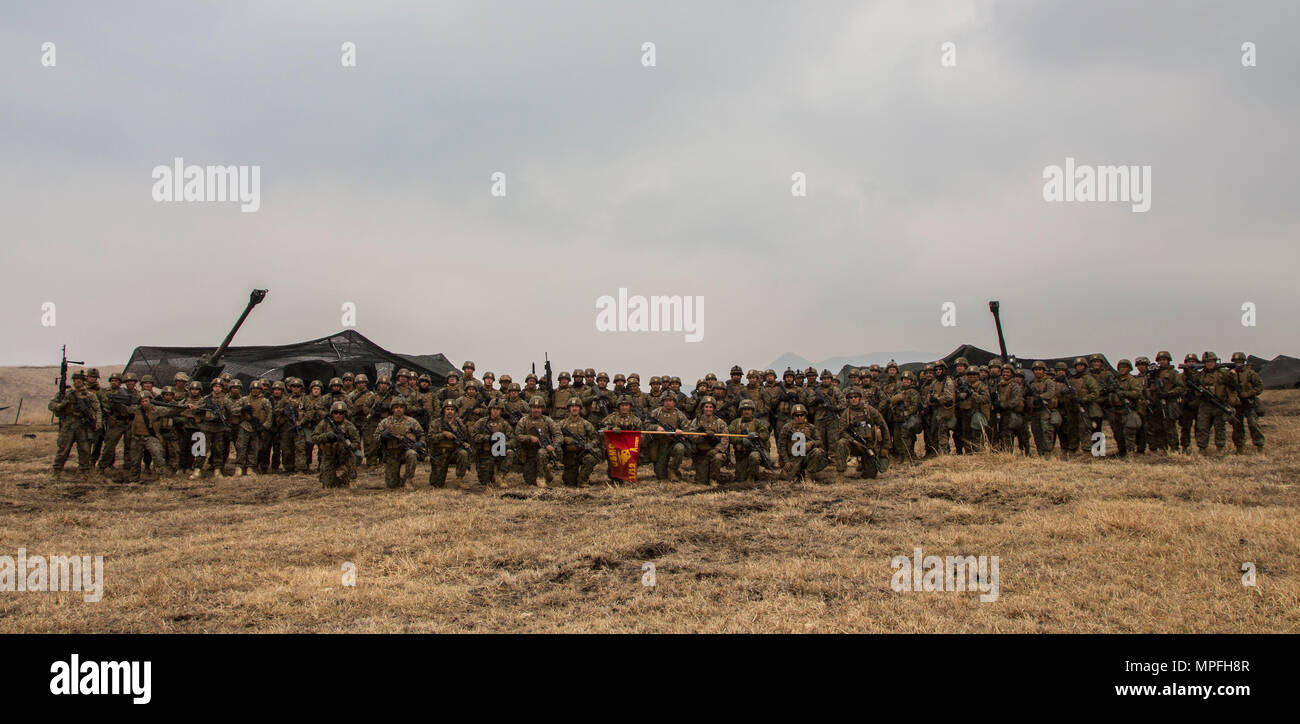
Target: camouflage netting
(977,356)
(320,359)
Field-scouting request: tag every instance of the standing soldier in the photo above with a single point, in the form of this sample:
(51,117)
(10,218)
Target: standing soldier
(666,451)
(395,435)
(942,398)
(1044,417)
(1011,398)
(482,433)
(1191,404)
(180,424)
(709,452)
(906,408)
(1221,383)
(448,442)
(255,414)
(560,398)
(79,421)
(1088,391)
(972,408)
(825,403)
(284,413)
(784,398)
(531,390)
(538,437)
(1166,390)
(487,389)
(119,407)
(800,448)
(580,455)
(145,436)
(452,389)
(314,411)
(365,414)
(1249,385)
(599,400)
(101,395)
(207,415)
(349,384)
(1132,408)
(338,443)
(471,407)
(1067,403)
(758,437)
(169,431)
(868,424)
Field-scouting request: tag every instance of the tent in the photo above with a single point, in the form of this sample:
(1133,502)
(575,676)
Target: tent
(977,356)
(317,359)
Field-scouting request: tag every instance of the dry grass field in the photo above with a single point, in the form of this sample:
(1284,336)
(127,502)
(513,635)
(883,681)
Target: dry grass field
(34,386)
(1152,545)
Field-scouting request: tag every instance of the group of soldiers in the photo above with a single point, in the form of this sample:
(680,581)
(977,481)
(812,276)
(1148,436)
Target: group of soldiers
(811,420)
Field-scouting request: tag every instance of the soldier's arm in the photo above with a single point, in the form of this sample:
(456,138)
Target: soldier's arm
(322,433)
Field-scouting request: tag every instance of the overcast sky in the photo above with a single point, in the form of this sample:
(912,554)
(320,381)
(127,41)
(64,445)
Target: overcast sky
(924,182)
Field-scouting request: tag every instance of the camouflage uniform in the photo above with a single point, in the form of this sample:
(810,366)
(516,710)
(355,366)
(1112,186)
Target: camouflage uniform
(337,456)
(313,411)
(449,440)
(1088,394)
(867,422)
(813,460)
(905,404)
(1249,385)
(79,419)
(1041,409)
(825,403)
(708,454)
(749,460)
(1011,398)
(666,451)
(255,415)
(210,423)
(971,408)
(1164,389)
(145,437)
(1223,384)
(399,462)
(941,396)
(536,455)
(1132,410)
(482,432)
(118,406)
(579,461)
(1191,406)
(561,396)
(1068,433)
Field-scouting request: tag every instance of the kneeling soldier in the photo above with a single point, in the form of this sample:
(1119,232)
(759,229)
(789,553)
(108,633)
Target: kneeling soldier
(580,451)
(800,446)
(448,441)
(338,444)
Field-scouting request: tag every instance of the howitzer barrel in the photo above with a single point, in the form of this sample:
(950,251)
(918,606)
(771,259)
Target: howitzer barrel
(210,366)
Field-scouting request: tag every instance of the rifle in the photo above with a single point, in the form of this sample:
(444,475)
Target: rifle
(1112,388)
(172,405)
(343,438)
(545,441)
(513,417)
(210,406)
(547,383)
(1205,393)
(63,371)
(751,440)
(1153,375)
(461,438)
(862,442)
(406,442)
(964,388)
(581,441)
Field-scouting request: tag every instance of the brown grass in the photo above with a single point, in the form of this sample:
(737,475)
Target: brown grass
(1100,546)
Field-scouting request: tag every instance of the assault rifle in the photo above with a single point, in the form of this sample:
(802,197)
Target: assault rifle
(210,406)
(584,446)
(752,441)
(63,371)
(1153,375)
(964,388)
(1206,394)
(862,442)
(544,442)
(170,405)
(406,442)
(1111,387)
(343,438)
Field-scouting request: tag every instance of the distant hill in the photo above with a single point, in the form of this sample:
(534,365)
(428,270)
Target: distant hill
(834,364)
(36,386)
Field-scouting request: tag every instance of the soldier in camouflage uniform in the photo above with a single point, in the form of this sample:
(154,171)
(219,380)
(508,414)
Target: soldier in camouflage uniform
(337,452)
(758,432)
(145,436)
(1131,411)
(1088,392)
(481,434)
(118,406)
(973,411)
(709,452)
(825,403)
(1041,409)
(666,451)
(283,413)
(1069,432)
(941,397)
(1249,385)
(449,441)
(1191,403)
(169,431)
(79,420)
(393,434)
(539,441)
(255,414)
(365,413)
(452,390)
(1164,390)
(472,407)
(579,459)
(207,416)
(783,399)
(561,396)
(599,400)
(1011,398)
(795,466)
(349,384)
(313,411)
(867,423)
(1223,384)
(905,404)
(101,396)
